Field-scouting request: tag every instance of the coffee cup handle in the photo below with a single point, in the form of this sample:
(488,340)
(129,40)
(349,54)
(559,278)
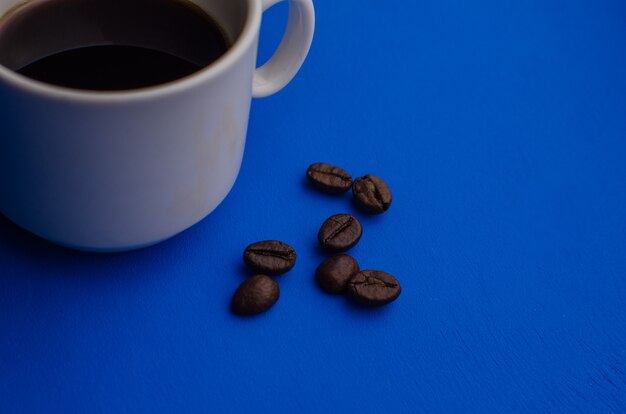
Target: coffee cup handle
(288,58)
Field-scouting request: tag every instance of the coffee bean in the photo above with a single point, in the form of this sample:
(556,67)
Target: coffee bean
(371,194)
(328,178)
(255,295)
(333,274)
(340,233)
(271,257)
(373,288)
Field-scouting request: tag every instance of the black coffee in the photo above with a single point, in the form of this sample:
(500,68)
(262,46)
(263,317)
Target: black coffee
(109,44)
(112,67)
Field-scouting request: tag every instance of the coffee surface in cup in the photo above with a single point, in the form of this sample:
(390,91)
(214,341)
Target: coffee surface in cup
(109,44)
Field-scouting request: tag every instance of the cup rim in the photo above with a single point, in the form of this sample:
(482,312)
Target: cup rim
(228,59)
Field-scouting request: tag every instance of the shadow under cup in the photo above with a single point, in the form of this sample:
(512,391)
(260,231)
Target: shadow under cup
(117,39)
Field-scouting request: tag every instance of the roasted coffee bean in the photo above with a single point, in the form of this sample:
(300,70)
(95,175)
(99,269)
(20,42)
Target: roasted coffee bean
(373,288)
(340,233)
(328,178)
(255,295)
(371,194)
(271,257)
(334,273)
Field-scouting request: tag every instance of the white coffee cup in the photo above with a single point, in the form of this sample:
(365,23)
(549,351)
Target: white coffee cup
(111,171)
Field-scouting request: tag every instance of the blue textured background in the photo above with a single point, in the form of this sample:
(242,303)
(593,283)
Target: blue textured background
(500,128)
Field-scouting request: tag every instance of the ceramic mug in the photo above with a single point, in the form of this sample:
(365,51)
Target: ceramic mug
(111,171)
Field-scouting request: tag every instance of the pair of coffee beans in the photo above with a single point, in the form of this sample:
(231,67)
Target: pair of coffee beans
(371,194)
(260,292)
(341,274)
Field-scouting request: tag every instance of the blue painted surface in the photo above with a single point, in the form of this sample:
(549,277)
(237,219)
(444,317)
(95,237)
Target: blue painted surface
(500,128)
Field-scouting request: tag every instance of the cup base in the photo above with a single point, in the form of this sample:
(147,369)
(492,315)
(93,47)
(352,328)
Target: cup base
(122,249)
(97,249)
